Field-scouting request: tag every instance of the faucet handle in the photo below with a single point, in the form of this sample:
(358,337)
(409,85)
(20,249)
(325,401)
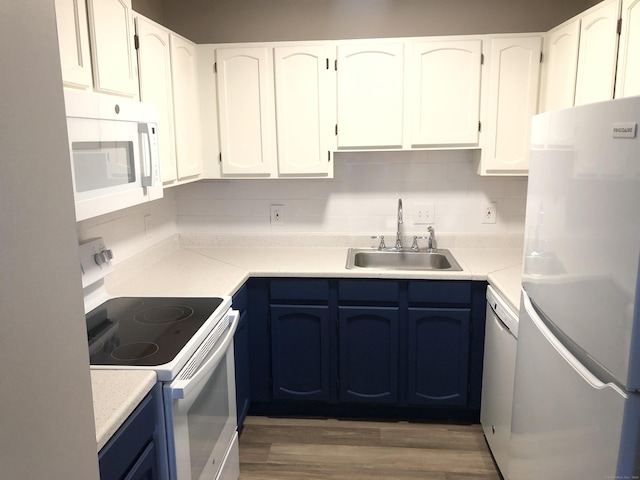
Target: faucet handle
(382,246)
(414,245)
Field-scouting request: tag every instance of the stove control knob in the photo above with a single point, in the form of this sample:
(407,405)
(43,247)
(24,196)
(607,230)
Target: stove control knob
(103,257)
(99,258)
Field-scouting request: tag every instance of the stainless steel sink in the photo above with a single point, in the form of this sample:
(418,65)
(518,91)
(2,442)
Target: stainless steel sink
(402,260)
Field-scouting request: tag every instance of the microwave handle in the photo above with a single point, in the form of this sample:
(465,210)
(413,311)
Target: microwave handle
(149,147)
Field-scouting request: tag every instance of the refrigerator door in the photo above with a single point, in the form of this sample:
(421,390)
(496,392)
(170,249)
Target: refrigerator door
(566,424)
(582,230)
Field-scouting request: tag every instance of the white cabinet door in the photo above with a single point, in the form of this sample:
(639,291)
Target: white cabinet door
(370,95)
(445,93)
(154,64)
(304,118)
(186,107)
(628,81)
(514,72)
(73,37)
(245,111)
(112,50)
(560,66)
(598,53)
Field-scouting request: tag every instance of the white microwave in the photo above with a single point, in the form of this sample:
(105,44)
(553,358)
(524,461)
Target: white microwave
(114,152)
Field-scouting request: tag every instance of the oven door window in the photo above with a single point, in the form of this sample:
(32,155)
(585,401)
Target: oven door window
(204,423)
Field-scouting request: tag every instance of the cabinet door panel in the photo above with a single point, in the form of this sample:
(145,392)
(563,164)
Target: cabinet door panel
(512,100)
(154,65)
(303,110)
(438,356)
(370,96)
(368,347)
(628,81)
(112,51)
(300,352)
(445,93)
(597,55)
(73,37)
(561,66)
(244,111)
(186,107)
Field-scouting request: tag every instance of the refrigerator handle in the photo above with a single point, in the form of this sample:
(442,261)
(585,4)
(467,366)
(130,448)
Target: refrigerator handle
(580,369)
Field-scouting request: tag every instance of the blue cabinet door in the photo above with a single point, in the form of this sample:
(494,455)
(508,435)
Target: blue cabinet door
(368,354)
(300,352)
(438,356)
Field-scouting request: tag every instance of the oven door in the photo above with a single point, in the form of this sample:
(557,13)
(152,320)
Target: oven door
(200,409)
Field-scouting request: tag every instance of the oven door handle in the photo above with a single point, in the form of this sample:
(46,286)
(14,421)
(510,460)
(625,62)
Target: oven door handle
(181,388)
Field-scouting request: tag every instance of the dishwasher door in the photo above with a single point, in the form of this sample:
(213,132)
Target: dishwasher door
(498,378)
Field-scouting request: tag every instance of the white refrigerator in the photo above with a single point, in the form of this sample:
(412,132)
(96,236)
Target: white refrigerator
(576,412)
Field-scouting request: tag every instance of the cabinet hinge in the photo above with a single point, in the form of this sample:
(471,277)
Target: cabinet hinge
(338,384)
(328,156)
(136,42)
(335,65)
(270,382)
(215,67)
(336,129)
(479,126)
(541,57)
(619,27)
(482,59)
(327,64)
(220,157)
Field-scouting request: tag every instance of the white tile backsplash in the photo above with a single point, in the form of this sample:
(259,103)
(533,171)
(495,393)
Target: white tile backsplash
(124,231)
(360,199)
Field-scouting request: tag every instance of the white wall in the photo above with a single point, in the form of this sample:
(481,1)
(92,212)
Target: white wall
(362,198)
(47,427)
(225,21)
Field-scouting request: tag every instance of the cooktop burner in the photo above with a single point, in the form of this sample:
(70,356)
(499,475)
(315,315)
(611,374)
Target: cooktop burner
(145,331)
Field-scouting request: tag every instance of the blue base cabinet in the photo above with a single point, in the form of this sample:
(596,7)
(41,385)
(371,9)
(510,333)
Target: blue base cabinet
(137,450)
(300,339)
(366,347)
(241,354)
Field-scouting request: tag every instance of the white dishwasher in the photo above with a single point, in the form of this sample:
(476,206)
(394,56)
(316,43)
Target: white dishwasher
(500,345)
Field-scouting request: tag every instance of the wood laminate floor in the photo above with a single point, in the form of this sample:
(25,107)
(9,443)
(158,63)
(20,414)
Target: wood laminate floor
(284,448)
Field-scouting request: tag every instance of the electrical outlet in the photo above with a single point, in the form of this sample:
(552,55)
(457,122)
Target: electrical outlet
(277,214)
(425,214)
(489,213)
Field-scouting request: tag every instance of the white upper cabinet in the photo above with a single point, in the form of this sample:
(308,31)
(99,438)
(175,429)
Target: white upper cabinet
(598,53)
(186,107)
(444,96)
(305,110)
(560,66)
(244,82)
(514,71)
(112,50)
(73,38)
(628,77)
(370,100)
(154,64)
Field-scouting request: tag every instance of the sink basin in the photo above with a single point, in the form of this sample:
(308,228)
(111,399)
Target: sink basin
(403,260)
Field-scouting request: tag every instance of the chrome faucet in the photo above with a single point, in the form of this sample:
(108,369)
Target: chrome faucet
(431,240)
(400,222)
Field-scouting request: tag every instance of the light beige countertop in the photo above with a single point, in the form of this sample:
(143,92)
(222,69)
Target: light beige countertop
(116,394)
(220,270)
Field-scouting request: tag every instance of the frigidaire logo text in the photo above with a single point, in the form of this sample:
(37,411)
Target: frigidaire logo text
(622,130)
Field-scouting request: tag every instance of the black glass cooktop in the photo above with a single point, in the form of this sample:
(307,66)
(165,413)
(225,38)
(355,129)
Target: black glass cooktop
(145,331)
